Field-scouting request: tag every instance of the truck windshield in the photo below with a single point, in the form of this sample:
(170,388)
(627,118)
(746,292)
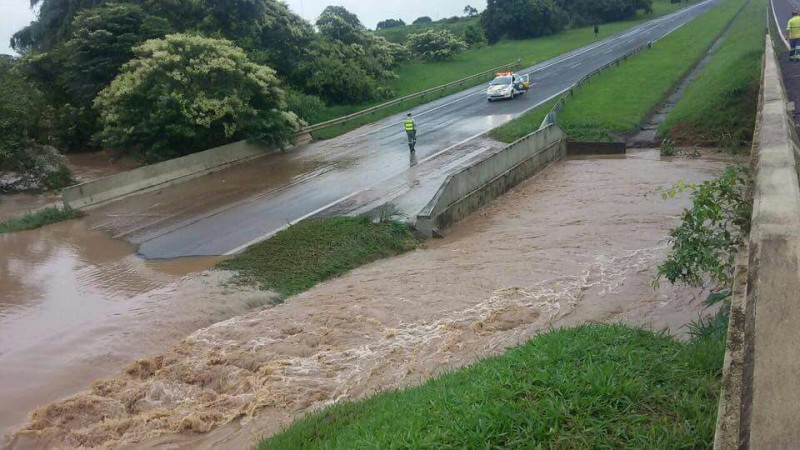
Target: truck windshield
(501,81)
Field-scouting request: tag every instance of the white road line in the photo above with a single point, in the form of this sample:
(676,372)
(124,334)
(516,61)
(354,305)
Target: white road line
(778,24)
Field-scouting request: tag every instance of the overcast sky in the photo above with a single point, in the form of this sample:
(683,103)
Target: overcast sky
(15,14)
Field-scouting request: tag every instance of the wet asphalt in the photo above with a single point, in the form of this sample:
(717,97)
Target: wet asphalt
(356,171)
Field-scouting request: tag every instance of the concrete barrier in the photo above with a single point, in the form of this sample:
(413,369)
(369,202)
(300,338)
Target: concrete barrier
(159,175)
(467,190)
(763,387)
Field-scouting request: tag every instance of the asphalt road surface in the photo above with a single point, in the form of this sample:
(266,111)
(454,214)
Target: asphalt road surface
(224,212)
(782,11)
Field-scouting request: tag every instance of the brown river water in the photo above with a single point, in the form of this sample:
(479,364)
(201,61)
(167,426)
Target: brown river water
(578,243)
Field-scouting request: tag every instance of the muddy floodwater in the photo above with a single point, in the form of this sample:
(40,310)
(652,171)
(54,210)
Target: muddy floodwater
(76,305)
(578,243)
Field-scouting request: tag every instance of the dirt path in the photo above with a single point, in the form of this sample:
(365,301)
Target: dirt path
(578,243)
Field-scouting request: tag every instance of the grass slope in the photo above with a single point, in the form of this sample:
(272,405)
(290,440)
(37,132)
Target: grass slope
(312,251)
(594,386)
(417,76)
(38,219)
(616,101)
(719,107)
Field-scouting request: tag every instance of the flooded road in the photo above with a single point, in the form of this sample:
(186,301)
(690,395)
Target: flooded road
(76,305)
(578,243)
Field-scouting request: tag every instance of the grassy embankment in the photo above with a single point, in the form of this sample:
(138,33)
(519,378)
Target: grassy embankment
(38,219)
(594,386)
(313,251)
(617,100)
(719,107)
(417,76)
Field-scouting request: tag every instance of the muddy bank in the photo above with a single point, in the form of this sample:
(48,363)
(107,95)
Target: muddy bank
(578,243)
(76,305)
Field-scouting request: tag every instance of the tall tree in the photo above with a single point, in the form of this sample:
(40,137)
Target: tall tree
(188,93)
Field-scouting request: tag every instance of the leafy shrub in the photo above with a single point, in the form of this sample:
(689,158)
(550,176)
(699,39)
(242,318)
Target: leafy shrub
(711,231)
(423,19)
(186,93)
(310,108)
(522,19)
(473,35)
(435,45)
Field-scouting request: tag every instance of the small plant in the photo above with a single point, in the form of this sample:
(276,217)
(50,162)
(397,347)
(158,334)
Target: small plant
(704,245)
(667,147)
(389,212)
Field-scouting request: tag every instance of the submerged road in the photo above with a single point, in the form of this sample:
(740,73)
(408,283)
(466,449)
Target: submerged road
(224,212)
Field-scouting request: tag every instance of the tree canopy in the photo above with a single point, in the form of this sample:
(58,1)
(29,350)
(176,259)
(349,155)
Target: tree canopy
(390,23)
(188,93)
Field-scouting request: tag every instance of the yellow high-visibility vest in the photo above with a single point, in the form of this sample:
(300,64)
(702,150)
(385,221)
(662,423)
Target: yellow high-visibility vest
(409,124)
(793,27)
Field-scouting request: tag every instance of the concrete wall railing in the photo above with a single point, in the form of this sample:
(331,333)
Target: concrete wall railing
(760,402)
(159,175)
(472,187)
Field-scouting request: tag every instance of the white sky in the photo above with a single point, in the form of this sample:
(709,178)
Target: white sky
(15,14)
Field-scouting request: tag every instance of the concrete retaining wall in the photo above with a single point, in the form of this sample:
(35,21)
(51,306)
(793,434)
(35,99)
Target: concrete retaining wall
(467,190)
(595,148)
(763,388)
(159,175)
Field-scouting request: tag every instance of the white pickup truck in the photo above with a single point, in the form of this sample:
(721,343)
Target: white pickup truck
(507,85)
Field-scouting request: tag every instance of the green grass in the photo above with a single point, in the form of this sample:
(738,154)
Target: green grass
(594,386)
(312,251)
(523,125)
(38,219)
(617,100)
(418,76)
(719,107)
(400,34)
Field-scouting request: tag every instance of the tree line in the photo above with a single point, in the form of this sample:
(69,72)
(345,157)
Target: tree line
(164,78)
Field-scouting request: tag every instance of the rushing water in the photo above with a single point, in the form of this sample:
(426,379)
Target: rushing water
(578,243)
(76,305)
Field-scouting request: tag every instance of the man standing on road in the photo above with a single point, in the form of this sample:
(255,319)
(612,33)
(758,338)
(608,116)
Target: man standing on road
(793,33)
(411,131)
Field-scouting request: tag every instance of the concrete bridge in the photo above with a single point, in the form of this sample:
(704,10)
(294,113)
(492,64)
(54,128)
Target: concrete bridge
(760,404)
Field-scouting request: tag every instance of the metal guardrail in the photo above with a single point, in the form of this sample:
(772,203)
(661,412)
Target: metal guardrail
(552,115)
(397,101)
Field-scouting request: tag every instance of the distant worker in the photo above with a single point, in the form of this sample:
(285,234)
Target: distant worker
(596,31)
(793,33)
(411,131)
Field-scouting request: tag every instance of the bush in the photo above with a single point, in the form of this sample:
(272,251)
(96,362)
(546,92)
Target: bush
(423,19)
(435,45)
(310,108)
(473,35)
(522,19)
(342,73)
(184,93)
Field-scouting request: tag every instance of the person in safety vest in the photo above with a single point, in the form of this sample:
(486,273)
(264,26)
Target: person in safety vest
(793,33)
(411,131)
